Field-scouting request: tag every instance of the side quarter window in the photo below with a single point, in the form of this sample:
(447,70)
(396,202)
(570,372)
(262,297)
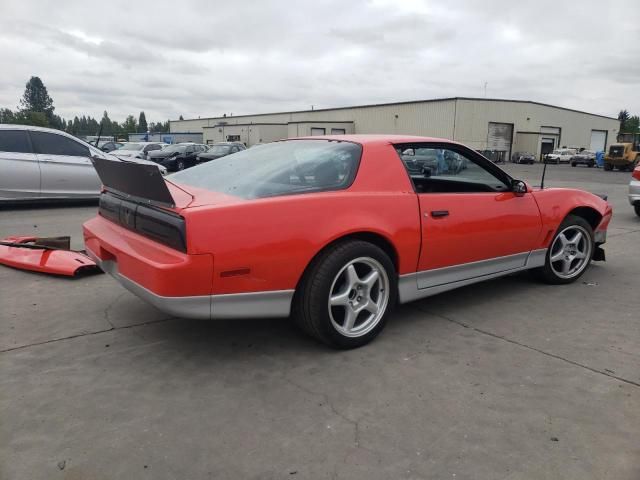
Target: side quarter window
(53,144)
(443,169)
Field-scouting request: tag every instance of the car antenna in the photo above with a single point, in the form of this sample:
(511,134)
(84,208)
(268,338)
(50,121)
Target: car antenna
(544,172)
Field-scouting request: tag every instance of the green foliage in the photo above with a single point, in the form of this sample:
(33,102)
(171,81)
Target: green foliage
(632,125)
(36,98)
(628,123)
(130,125)
(142,123)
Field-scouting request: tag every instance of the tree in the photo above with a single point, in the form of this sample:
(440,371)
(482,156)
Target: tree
(142,123)
(632,125)
(130,125)
(623,116)
(37,99)
(181,117)
(37,119)
(7,116)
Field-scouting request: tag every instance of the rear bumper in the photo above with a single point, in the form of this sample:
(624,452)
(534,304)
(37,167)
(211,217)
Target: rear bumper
(176,283)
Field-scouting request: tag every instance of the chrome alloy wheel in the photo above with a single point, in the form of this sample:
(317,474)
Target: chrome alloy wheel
(358,297)
(570,252)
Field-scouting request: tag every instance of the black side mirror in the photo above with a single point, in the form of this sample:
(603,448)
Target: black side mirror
(518,187)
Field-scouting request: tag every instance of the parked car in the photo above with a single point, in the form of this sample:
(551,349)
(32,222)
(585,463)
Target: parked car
(178,156)
(585,157)
(138,149)
(219,150)
(558,156)
(107,145)
(634,190)
(253,237)
(43,164)
(523,157)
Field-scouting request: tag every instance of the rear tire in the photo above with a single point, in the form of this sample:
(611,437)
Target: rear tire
(570,252)
(637,209)
(345,297)
(608,167)
(590,165)
(573,164)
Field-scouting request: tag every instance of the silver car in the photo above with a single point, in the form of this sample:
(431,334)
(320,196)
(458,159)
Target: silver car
(42,163)
(634,190)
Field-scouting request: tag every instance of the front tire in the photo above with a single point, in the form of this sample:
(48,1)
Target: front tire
(637,209)
(570,253)
(346,294)
(608,167)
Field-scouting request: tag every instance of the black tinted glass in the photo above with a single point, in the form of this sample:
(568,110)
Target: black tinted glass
(52,144)
(14,141)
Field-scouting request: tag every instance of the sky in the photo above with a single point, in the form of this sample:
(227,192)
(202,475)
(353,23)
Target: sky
(199,58)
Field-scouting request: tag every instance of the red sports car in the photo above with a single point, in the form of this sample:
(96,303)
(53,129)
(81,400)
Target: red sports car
(334,230)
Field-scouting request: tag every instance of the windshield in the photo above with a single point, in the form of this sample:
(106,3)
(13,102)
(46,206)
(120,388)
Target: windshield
(132,146)
(278,168)
(174,148)
(219,149)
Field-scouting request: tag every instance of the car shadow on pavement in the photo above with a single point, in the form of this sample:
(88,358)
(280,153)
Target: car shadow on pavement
(258,337)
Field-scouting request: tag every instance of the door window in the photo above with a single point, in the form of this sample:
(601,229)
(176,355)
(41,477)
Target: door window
(14,141)
(449,170)
(53,144)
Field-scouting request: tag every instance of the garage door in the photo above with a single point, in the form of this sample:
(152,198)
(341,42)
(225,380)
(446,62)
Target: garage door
(499,139)
(598,140)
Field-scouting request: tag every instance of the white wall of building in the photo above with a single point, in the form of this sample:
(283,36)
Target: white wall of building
(461,119)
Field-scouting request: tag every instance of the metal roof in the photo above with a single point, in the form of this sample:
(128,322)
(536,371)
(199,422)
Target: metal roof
(447,99)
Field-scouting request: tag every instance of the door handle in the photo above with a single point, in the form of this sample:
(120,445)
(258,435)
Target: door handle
(439,213)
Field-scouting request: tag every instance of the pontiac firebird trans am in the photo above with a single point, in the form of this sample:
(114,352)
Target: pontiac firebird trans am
(334,231)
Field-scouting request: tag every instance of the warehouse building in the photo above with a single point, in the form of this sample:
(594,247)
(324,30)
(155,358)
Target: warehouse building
(493,126)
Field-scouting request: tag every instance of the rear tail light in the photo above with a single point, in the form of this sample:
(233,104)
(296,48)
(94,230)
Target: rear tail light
(636,173)
(157,224)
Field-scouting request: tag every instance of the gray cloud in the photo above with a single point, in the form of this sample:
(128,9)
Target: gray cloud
(202,58)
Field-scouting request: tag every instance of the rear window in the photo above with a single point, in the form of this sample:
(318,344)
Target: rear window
(616,151)
(14,141)
(280,168)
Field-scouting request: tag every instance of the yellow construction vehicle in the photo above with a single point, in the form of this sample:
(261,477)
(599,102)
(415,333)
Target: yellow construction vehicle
(625,154)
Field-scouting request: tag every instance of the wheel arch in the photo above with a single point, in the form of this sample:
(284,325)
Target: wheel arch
(591,215)
(374,238)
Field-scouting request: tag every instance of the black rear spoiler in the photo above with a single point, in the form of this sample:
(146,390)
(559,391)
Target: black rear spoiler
(135,181)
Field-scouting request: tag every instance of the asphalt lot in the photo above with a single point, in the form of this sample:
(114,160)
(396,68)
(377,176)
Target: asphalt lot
(509,379)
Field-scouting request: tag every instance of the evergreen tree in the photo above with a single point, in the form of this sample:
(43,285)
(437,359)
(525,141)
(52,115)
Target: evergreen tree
(623,116)
(142,123)
(36,99)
